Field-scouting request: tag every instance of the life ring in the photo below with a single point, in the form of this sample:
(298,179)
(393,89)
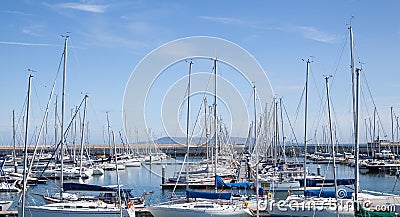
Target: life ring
(129,204)
(270,195)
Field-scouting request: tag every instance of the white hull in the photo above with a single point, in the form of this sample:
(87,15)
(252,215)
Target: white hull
(281,186)
(98,171)
(111,166)
(133,164)
(198,209)
(5,204)
(75,209)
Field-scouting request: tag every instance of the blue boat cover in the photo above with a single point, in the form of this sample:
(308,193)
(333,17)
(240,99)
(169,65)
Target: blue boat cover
(87,187)
(221,183)
(328,194)
(207,195)
(326,182)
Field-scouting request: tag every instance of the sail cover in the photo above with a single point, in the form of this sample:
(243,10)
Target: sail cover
(221,183)
(87,187)
(207,195)
(326,182)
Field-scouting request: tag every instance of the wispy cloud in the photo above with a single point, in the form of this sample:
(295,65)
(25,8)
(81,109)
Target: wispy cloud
(94,8)
(223,20)
(25,44)
(33,30)
(313,33)
(101,37)
(17,12)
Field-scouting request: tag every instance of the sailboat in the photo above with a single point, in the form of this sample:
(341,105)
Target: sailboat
(343,204)
(316,205)
(205,203)
(70,209)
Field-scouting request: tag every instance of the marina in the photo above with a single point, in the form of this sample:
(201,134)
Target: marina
(199,128)
(142,179)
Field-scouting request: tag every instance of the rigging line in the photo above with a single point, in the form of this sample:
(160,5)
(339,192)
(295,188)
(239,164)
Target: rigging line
(248,105)
(335,73)
(335,117)
(366,111)
(186,155)
(61,139)
(207,86)
(339,58)
(299,105)
(44,120)
(373,102)
(200,109)
(37,97)
(72,53)
(290,125)
(322,108)
(20,123)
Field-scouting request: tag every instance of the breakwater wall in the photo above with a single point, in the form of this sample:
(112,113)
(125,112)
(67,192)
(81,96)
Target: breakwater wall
(181,149)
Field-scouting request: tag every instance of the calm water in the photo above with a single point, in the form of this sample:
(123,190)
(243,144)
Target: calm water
(146,178)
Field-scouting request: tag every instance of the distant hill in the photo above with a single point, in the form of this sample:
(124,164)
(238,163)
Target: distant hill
(195,140)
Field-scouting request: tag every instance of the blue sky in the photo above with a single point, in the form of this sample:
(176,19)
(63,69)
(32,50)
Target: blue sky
(109,38)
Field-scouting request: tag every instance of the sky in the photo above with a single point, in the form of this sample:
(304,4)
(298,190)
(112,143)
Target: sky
(108,39)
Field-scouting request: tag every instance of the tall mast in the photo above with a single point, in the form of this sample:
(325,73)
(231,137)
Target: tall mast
(283,133)
(187,125)
(391,119)
(116,169)
(25,175)
(210,113)
(352,70)
(331,135)
(82,136)
(255,143)
(109,138)
(14,144)
(276,132)
(215,124)
(397,135)
(206,130)
(305,130)
(356,139)
(55,122)
(62,118)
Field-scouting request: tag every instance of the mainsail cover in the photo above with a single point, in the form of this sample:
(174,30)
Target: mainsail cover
(87,187)
(221,183)
(326,182)
(207,195)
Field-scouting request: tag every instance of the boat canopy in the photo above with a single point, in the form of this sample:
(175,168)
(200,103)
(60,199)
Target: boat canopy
(220,183)
(207,195)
